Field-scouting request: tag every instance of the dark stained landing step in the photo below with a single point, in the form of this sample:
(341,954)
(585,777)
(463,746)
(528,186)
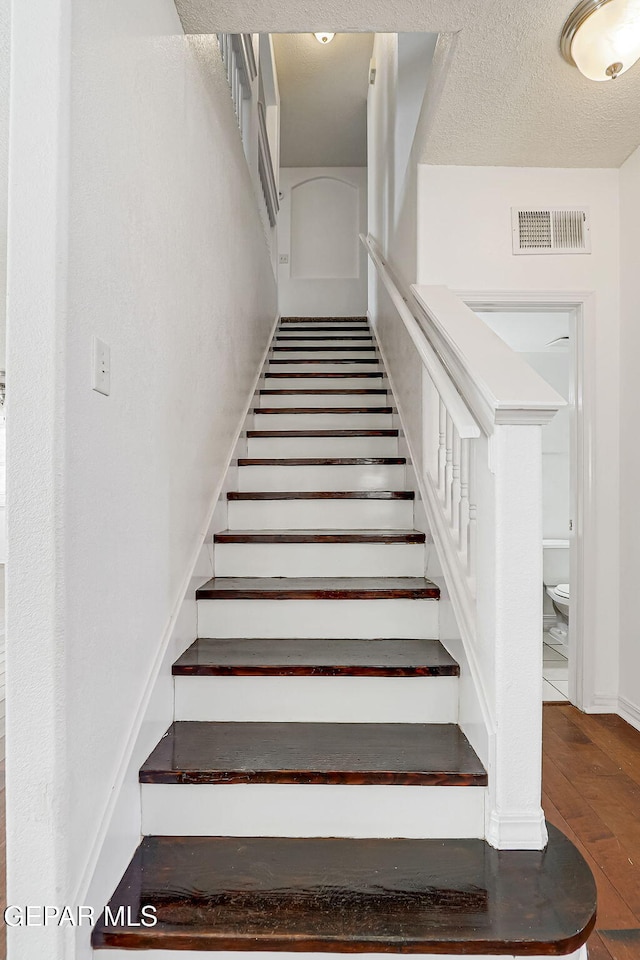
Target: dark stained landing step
(321,495)
(318,461)
(319,536)
(419,754)
(354,896)
(316,658)
(318,588)
(271,411)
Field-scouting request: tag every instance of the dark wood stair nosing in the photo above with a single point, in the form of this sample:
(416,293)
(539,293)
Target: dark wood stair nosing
(318,588)
(320,461)
(204,752)
(391,432)
(321,536)
(326,392)
(327,360)
(325,349)
(329,375)
(240,495)
(315,658)
(318,411)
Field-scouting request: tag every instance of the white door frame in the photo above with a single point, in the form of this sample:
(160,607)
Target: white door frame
(582,539)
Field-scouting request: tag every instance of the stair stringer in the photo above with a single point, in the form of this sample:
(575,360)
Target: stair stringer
(120,828)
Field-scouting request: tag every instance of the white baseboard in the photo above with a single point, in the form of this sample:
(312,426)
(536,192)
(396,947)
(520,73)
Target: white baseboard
(517,831)
(603,703)
(629,711)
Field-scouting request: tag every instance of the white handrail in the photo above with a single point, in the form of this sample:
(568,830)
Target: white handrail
(497,383)
(458,411)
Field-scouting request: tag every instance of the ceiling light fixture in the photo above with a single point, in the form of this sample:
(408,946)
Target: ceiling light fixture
(324,37)
(602,37)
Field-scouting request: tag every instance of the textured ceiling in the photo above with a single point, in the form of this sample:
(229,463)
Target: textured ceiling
(508,98)
(323,99)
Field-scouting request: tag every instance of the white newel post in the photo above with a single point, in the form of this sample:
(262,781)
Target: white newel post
(514,813)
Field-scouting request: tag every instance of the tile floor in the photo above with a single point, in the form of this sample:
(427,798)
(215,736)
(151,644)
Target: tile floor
(555,672)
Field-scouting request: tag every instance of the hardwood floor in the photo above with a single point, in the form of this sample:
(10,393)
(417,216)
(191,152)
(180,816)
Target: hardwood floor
(591,791)
(591,783)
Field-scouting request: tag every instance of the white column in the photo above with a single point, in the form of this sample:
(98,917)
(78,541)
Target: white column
(514,814)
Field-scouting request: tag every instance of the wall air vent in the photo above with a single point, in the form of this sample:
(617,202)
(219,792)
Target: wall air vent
(551,231)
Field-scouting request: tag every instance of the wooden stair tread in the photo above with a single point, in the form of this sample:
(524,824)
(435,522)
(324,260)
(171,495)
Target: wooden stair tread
(323,319)
(332,336)
(299,375)
(319,536)
(427,754)
(304,411)
(316,658)
(325,349)
(391,432)
(354,896)
(319,461)
(320,392)
(318,588)
(317,360)
(321,495)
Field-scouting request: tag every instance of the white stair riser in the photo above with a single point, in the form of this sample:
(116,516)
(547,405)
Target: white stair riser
(297,447)
(321,383)
(360,619)
(328,354)
(323,366)
(319,560)
(317,699)
(322,421)
(375,476)
(324,399)
(320,514)
(312,810)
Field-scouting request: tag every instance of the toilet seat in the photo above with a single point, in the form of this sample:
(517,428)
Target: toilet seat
(562,590)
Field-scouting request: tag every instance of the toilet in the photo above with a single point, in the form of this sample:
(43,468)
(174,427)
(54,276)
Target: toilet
(555,572)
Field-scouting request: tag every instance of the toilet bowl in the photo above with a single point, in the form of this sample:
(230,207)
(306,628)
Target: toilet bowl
(555,574)
(560,598)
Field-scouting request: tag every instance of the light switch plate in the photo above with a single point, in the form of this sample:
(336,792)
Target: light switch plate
(101,367)
(284,258)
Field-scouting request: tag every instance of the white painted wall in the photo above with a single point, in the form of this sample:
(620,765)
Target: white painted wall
(629,448)
(149,237)
(323,210)
(464,242)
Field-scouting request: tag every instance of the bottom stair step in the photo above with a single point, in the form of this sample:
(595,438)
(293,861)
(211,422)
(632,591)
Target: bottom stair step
(351,896)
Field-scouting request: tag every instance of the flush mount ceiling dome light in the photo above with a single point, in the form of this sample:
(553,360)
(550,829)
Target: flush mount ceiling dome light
(324,37)
(602,37)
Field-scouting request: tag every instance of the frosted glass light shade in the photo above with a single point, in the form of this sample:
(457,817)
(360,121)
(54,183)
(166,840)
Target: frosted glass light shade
(602,39)
(324,37)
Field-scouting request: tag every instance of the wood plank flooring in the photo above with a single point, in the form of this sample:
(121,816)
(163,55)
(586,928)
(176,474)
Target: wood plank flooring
(591,784)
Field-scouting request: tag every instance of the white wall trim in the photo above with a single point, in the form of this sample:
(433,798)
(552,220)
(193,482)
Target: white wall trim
(80,895)
(582,618)
(629,711)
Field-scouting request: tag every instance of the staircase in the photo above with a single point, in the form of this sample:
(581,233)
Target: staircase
(315,792)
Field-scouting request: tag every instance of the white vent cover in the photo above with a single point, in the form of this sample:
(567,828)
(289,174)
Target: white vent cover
(550,231)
